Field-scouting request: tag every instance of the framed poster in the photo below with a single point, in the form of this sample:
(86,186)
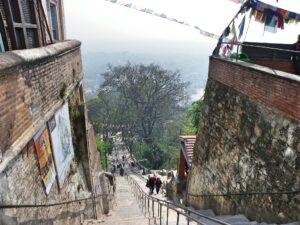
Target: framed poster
(61,138)
(44,154)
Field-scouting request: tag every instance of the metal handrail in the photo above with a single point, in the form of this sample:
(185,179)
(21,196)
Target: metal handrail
(263,47)
(142,195)
(52,204)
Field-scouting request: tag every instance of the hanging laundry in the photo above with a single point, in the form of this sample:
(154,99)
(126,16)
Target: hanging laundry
(241,27)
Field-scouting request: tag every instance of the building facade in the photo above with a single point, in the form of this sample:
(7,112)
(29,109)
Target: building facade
(30,23)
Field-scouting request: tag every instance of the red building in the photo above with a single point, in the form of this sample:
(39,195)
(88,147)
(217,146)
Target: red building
(186,155)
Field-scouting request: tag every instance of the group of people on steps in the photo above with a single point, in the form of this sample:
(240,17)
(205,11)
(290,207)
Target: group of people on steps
(153,182)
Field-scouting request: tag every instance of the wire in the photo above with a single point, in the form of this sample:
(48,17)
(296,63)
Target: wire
(50,205)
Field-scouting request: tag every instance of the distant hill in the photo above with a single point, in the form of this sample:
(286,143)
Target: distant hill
(192,67)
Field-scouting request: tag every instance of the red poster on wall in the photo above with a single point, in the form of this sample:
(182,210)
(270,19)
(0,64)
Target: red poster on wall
(44,153)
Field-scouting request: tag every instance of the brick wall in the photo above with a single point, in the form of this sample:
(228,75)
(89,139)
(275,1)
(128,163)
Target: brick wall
(34,84)
(275,89)
(286,66)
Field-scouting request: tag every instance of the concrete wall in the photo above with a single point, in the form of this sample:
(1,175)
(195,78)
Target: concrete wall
(248,141)
(34,84)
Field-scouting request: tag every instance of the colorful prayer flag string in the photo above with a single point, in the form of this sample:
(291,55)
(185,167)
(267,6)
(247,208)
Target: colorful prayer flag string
(164,16)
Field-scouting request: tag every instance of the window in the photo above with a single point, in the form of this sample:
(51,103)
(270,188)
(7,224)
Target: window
(21,27)
(53,13)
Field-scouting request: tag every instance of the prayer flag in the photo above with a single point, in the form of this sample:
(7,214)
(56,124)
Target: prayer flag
(271,26)
(241,28)
(259,16)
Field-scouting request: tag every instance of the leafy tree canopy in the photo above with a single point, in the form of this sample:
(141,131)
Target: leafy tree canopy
(147,94)
(147,105)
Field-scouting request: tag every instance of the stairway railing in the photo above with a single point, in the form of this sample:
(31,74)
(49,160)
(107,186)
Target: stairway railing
(148,203)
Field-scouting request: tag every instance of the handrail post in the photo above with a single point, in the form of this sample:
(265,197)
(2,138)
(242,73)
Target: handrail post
(188,219)
(167,214)
(149,206)
(152,208)
(177,218)
(160,206)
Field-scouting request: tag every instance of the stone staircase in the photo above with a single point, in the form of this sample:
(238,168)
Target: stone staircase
(126,211)
(230,219)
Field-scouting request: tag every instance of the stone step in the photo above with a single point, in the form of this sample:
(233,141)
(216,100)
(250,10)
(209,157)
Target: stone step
(233,218)
(266,223)
(246,223)
(294,223)
(206,212)
(132,221)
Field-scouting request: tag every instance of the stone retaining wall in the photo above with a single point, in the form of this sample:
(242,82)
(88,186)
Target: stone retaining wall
(248,142)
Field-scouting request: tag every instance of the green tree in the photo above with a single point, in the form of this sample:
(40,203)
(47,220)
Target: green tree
(151,94)
(145,104)
(192,118)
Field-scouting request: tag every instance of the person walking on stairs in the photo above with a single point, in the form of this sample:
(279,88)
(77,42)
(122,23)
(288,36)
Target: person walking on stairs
(151,183)
(158,184)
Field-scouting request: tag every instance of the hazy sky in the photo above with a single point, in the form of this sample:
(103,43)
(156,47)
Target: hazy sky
(104,26)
